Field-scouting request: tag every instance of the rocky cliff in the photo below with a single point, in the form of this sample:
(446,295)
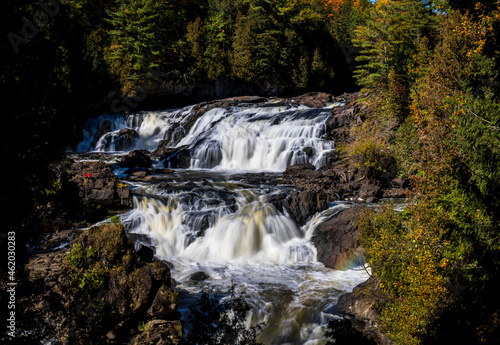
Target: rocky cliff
(99,289)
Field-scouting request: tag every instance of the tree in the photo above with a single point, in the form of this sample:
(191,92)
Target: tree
(135,38)
(387,45)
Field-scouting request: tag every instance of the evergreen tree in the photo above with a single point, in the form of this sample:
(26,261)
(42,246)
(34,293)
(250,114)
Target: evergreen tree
(135,38)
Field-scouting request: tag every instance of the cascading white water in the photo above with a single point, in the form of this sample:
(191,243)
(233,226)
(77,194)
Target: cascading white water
(241,138)
(260,139)
(231,233)
(226,227)
(255,231)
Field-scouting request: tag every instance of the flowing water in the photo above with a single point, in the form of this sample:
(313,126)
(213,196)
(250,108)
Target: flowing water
(222,216)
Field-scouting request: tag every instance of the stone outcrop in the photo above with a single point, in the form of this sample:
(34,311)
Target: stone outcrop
(336,239)
(318,188)
(125,139)
(362,304)
(136,159)
(134,303)
(314,99)
(97,184)
(340,180)
(174,157)
(302,205)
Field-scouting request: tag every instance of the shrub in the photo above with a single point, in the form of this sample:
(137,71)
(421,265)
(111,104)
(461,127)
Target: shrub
(410,261)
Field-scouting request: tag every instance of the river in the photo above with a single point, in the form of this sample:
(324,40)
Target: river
(220,215)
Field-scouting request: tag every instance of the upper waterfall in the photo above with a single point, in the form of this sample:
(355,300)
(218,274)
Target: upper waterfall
(244,137)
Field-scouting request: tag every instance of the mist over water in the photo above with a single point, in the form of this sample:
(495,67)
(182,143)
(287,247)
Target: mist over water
(209,219)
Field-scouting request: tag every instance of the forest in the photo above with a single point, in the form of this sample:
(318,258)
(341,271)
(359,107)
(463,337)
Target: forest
(428,69)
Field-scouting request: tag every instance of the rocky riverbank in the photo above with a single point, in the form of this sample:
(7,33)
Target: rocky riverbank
(129,290)
(99,289)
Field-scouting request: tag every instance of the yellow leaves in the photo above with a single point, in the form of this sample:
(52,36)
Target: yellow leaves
(475,32)
(444,263)
(334,5)
(407,255)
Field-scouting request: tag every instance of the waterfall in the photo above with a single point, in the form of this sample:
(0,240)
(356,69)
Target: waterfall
(248,138)
(209,231)
(217,218)
(227,229)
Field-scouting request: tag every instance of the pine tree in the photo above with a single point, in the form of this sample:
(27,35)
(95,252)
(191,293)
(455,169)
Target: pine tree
(388,43)
(135,38)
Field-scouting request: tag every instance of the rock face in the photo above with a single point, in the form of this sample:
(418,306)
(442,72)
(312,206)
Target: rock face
(362,304)
(175,158)
(136,158)
(336,239)
(97,184)
(318,188)
(302,205)
(101,290)
(314,99)
(125,139)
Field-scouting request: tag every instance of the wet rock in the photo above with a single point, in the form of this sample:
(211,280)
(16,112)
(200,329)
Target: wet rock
(199,276)
(362,304)
(206,183)
(125,138)
(302,205)
(277,200)
(336,239)
(163,150)
(136,158)
(146,254)
(136,174)
(163,171)
(175,158)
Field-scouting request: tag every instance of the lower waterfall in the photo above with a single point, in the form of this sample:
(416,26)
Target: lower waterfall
(228,230)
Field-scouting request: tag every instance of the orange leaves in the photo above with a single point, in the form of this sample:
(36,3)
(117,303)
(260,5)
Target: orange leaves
(334,5)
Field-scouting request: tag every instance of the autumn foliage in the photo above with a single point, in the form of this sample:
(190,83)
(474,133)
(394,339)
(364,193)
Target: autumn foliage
(438,260)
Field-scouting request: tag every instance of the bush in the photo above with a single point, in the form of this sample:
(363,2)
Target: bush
(99,250)
(410,261)
(369,152)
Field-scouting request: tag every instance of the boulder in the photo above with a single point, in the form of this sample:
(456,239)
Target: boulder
(136,158)
(302,205)
(95,183)
(336,239)
(199,276)
(125,138)
(163,150)
(132,290)
(173,157)
(179,159)
(362,304)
